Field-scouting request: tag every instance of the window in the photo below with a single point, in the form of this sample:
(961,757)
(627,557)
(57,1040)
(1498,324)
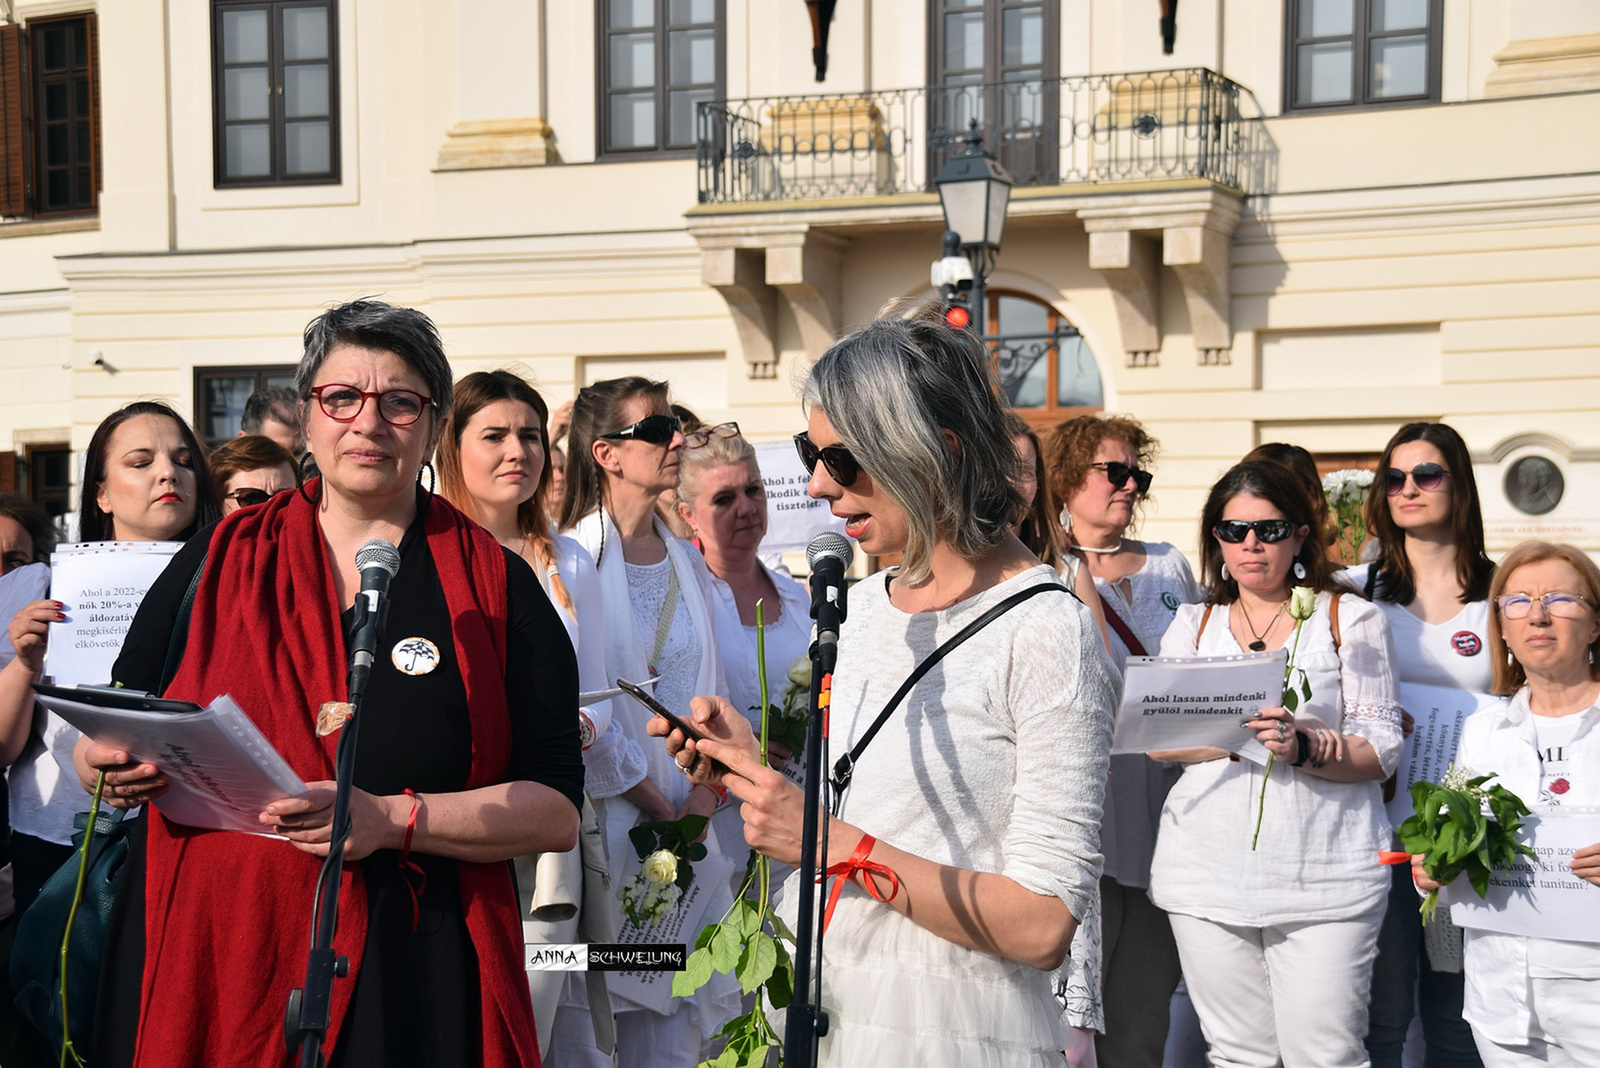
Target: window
(658,59)
(1045,369)
(1360,53)
(50,113)
(996,62)
(275,92)
(220,393)
(48,472)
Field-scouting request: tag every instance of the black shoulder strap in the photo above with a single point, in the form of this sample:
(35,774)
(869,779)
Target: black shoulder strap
(845,767)
(1372,578)
(180,629)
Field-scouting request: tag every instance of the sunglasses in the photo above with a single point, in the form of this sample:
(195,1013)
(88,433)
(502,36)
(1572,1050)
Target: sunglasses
(398,407)
(1566,605)
(1233,531)
(697,438)
(248,496)
(656,429)
(1426,476)
(1118,474)
(837,459)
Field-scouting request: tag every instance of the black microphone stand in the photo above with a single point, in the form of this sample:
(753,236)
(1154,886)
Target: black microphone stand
(306,1022)
(806,1022)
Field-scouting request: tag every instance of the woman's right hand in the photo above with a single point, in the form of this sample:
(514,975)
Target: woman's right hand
(1420,877)
(30,630)
(129,783)
(715,719)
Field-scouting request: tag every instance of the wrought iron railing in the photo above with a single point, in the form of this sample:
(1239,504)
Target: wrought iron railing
(1095,128)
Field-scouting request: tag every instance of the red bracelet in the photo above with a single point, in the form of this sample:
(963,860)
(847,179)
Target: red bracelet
(411,867)
(858,862)
(721,792)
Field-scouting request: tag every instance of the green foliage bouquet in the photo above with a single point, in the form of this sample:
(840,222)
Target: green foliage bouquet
(1462,826)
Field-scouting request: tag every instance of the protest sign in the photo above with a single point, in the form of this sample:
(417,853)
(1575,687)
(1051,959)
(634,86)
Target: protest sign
(793,518)
(1187,702)
(1538,896)
(101,583)
(1429,751)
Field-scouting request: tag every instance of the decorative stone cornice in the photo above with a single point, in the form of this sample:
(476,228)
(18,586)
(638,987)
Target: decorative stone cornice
(484,143)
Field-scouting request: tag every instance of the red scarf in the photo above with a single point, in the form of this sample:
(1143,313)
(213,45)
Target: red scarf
(228,916)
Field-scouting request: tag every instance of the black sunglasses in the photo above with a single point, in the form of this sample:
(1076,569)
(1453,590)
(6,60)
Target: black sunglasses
(1426,476)
(656,429)
(1118,473)
(1233,531)
(247,496)
(836,458)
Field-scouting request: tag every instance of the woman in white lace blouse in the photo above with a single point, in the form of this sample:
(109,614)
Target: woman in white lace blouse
(1277,940)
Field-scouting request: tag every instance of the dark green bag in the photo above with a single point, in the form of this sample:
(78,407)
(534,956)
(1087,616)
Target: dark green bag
(35,958)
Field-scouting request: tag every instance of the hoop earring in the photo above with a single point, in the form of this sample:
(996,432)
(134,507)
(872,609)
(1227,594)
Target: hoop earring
(1224,572)
(433,478)
(300,469)
(1299,570)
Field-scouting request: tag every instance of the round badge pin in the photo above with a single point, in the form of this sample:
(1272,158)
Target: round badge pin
(415,656)
(1466,643)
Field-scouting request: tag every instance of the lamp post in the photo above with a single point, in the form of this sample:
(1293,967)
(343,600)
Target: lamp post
(974,190)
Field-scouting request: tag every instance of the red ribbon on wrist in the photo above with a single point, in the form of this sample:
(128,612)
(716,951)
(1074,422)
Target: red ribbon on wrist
(845,870)
(1387,857)
(411,867)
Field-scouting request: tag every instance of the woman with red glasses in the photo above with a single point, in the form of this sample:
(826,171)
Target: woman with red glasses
(1277,934)
(1431,580)
(468,751)
(966,839)
(1536,1001)
(626,447)
(1099,465)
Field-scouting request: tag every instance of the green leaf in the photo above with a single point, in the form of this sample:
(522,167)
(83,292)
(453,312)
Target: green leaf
(780,928)
(1291,700)
(691,826)
(757,1057)
(1480,879)
(644,840)
(697,851)
(729,1058)
(780,988)
(704,938)
(724,950)
(760,956)
(696,974)
(748,918)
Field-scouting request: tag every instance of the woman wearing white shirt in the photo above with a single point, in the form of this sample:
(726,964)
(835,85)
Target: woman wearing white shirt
(494,464)
(1277,941)
(1536,1001)
(1431,581)
(625,450)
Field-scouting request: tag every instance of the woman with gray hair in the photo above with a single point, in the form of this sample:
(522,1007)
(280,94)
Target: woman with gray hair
(469,750)
(965,845)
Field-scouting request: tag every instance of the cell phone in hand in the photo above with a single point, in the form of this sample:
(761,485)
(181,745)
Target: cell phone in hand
(638,693)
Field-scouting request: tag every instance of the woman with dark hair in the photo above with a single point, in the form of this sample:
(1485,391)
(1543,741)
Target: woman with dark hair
(1304,466)
(968,833)
(1277,934)
(469,749)
(625,449)
(250,469)
(1431,580)
(1536,1001)
(1100,467)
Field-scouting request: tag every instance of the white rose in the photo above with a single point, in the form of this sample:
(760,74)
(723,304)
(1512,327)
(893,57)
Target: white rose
(1302,602)
(800,673)
(660,868)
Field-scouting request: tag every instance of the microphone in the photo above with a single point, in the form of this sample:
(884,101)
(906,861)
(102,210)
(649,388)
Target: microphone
(378,561)
(829,555)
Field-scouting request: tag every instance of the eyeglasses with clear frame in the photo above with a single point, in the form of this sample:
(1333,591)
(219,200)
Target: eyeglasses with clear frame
(343,403)
(1555,603)
(697,438)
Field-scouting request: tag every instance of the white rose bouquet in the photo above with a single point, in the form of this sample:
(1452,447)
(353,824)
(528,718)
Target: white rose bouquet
(1346,492)
(666,849)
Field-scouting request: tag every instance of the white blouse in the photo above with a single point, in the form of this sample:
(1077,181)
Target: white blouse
(1453,654)
(1317,857)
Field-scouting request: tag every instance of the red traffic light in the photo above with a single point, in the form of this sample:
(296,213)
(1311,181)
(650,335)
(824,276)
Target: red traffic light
(957,317)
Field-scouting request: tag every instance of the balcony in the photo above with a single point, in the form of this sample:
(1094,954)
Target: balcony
(1097,130)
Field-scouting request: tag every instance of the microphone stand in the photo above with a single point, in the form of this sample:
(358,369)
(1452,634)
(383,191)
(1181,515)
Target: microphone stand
(306,1022)
(806,1021)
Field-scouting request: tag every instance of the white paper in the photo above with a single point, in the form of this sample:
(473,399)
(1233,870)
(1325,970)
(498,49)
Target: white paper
(793,518)
(1538,896)
(223,771)
(654,989)
(101,583)
(1188,702)
(19,589)
(1428,753)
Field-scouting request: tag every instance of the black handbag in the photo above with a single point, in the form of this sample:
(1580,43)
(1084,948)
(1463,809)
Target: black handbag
(36,954)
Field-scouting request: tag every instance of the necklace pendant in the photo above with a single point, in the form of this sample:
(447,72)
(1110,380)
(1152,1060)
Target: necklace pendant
(1257,645)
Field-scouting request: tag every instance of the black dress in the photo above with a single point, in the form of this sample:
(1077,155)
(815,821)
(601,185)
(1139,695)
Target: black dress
(415,1001)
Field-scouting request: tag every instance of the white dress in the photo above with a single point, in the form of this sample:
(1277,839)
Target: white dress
(1319,838)
(994,762)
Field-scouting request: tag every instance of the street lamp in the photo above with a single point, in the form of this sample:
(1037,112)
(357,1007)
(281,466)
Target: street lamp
(974,190)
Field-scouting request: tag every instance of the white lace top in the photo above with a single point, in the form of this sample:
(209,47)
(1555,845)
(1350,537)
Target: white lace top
(679,663)
(1317,858)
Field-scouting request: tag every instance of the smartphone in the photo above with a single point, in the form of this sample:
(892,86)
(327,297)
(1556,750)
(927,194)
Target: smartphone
(638,693)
